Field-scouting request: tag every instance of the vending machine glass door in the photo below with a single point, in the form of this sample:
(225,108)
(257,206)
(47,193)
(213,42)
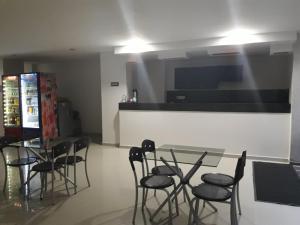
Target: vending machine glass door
(11,101)
(30,103)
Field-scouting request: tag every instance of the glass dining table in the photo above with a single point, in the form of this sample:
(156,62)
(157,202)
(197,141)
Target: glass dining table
(41,150)
(39,147)
(189,154)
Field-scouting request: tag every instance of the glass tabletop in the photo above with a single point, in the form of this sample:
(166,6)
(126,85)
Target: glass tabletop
(38,143)
(189,154)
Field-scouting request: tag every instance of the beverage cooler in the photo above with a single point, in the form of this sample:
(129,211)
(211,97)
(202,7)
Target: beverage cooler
(35,110)
(11,105)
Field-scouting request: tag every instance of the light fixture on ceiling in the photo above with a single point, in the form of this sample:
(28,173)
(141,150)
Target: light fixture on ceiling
(239,37)
(135,45)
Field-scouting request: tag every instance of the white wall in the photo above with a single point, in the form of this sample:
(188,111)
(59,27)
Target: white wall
(13,66)
(295,100)
(149,79)
(113,69)
(79,81)
(261,134)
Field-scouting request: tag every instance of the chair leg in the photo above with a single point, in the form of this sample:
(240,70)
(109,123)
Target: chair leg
(42,185)
(196,219)
(28,178)
(5,171)
(46,182)
(170,208)
(135,204)
(146,196)
(212,206)
(66,172)
(86,173)
(238,199)
(52,184)
(28,185)
(176,201)
(233,216)
(75,181)
(143,199)
(177,193)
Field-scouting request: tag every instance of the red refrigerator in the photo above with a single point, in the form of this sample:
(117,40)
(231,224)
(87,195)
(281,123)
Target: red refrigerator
(37,106)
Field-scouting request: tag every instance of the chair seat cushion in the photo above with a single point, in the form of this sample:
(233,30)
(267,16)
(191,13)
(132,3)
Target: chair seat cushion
(211,192)
(164,170)
(157,182)
(218,179)
(45,167)
(21,162)
(70,161)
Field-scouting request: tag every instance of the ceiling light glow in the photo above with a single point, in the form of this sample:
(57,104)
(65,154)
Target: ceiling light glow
(239,37)
(135,45)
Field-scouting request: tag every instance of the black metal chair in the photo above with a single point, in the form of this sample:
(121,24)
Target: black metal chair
(224,180)
(79,145)
(20,162)
(156,182)
(149,146)
(184,181)
(209,192)
(50,166)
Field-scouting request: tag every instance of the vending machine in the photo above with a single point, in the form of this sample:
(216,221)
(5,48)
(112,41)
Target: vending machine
(37,103)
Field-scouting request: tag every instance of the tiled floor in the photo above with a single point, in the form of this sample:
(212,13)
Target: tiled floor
(109,200)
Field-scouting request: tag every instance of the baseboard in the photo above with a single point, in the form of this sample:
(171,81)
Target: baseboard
(230,155)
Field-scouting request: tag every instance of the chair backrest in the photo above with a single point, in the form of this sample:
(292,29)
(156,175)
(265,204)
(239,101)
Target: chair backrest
(148,145)
(5,141)
(82,143)
(136,154)
(239,170)
(61,149)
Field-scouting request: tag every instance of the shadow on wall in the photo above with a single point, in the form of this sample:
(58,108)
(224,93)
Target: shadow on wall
(116,128)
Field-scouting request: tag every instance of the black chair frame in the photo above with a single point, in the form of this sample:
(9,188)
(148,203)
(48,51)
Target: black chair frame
(239,173)
(51,166)
(243,156)
(137,155)
(19,162)
(81,144)
(184,181)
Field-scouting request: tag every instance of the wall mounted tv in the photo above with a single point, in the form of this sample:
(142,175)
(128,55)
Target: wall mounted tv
(207,77)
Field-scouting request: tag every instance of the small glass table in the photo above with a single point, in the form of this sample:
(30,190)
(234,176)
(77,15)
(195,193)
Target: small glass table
(189,154)
(36,145)
(42,150)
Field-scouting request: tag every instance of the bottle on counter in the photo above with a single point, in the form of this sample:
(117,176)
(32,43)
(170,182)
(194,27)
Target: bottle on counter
(135,95)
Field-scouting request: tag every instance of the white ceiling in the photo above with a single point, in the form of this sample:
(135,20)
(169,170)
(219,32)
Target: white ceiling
(53,26)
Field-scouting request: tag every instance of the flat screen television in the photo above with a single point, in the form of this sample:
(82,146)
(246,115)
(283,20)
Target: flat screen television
(207,77)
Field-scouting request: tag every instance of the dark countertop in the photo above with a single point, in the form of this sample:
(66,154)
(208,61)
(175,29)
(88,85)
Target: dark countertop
(210,107)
